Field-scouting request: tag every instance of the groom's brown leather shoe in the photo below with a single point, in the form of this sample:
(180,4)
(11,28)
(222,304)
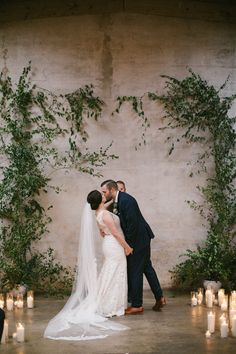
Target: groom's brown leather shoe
(134,310)
(159,304)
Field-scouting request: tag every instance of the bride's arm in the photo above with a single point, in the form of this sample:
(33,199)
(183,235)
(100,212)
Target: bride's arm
(110,224)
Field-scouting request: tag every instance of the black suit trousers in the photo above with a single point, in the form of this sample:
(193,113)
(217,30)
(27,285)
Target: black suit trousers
(138,264)
(2,317)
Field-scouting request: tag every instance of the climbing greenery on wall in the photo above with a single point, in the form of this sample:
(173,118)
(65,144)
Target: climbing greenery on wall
(199,114)
(32,122)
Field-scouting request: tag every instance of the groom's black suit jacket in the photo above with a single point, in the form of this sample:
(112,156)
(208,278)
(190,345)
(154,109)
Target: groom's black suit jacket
(136,230)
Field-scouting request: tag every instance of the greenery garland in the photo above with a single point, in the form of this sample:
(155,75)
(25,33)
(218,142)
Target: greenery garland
(32,120)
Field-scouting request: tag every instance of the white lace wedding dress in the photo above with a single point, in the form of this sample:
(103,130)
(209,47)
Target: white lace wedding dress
(112,281)
(94,298)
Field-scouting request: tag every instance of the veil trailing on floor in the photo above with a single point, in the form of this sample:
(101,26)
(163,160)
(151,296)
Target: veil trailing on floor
(79,320)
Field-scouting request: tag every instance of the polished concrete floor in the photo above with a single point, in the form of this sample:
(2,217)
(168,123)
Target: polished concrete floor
(178,329)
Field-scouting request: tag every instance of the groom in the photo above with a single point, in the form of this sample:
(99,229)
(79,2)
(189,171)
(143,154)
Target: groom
(138,235)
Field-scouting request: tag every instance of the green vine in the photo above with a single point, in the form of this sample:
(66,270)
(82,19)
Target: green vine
(197,111)
(32,120)
(137,106)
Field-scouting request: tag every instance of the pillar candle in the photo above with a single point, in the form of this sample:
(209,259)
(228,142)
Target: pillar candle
(211,322)
(221,296)
(1,301)
(224,305)
(9,302)
(234,326)
(20,302)
(208,334)
(199,297)
(232,313)
(20,333)
(224,330)
(193,300)
(233,295)
(30,299)
(209,298)
(222,318)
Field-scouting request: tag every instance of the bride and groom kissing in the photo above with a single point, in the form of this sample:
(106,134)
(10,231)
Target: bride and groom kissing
(126,238)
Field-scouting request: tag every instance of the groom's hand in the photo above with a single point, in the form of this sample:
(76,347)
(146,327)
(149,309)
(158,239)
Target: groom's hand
(128,251)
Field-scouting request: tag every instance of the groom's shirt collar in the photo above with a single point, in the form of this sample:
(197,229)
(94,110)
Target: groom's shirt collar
(116,198)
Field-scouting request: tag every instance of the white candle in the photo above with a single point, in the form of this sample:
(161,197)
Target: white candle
(234,326)
(233,305)
(20,304)
(224,306)
(194,301)
(30,299)
(233,295)
(232,313)
(5,332)
(209,298)
(221,296)
(9,304)
(224,329)
(199,297)
(208,334)
(20,333)
(30,302)
(222,318)
(211,322)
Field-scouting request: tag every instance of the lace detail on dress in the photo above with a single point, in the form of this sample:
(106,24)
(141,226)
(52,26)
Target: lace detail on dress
(112,281)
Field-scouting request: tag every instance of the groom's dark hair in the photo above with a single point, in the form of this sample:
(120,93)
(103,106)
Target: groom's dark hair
(110,184)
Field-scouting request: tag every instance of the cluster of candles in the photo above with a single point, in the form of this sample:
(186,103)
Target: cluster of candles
(227,305)
(10,304)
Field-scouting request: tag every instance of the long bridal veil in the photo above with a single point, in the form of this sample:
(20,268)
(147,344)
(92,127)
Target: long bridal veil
(79,320)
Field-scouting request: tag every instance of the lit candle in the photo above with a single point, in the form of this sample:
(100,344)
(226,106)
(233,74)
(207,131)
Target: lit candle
(234,326)
(224,329)
(199,297)
(30,299)
(1,301)
(20,302)
(221,296)
(208,334)
(9,302)
(209,298)
(211,322)
(222,318)
(224,305)
(233,295)
(193,299)
(5,332)
(20,333)
(232,313)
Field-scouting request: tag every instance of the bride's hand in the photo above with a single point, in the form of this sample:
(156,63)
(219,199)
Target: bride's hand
(128,251)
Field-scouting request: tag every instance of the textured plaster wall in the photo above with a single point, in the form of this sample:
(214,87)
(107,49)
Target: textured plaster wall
(123,47)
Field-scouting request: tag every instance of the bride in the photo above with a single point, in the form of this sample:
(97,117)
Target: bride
(95,298)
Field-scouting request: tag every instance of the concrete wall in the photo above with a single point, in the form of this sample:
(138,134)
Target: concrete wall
(123,47)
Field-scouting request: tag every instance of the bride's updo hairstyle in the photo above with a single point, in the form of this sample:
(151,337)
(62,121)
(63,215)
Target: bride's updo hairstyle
(94,198)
